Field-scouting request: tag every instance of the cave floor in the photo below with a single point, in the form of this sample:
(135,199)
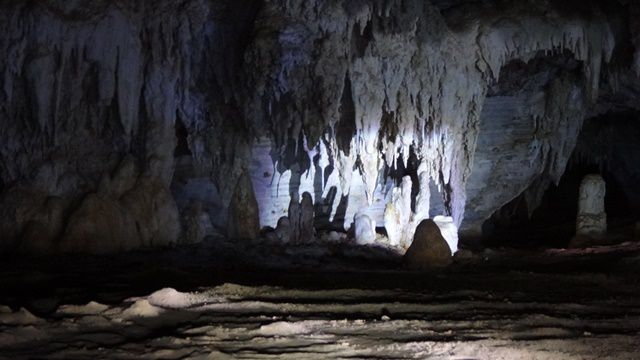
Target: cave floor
(226,299)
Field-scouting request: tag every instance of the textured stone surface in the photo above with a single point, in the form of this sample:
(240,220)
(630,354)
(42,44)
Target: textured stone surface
(448,230)
(365,229)
(429,249)
(244,219)
(591,219)
(345,97)
(526,136)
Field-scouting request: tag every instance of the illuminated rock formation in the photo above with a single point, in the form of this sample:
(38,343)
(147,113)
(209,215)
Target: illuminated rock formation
(340,100)
(365,229)
(592,218)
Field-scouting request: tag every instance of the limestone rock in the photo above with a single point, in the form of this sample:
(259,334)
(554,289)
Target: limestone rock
(398,214)
(423,198)
(301,220)
(448,230)
(155,212)
(365,229)
(18,205)
(307,229)
(283,229)
(45,228)
(429,249)
(244,220)
(100,225)
(294,221)
(194,227)
(591,221)
(392,224)
(592,218)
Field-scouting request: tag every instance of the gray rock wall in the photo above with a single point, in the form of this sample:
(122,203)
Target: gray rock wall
(340,92)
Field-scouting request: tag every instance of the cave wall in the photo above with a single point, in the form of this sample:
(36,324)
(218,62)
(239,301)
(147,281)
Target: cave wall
(330,97)
(529,126)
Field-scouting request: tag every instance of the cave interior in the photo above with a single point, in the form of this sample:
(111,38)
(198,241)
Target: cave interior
(348,179)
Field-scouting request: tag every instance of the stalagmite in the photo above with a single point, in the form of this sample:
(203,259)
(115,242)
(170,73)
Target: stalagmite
(244,222)
(195,229)
(397,215)
(307,229)
(283,229)
(294,221)
(365,229)
(592,218)
(428,249)
(111,83)
(449,231)
(423,199)
(301,221)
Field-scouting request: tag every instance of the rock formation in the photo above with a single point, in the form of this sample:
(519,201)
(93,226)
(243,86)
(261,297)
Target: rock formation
(448,230)
(283,229)
(365,229)
(195,227)
(334,103)
(591,221)
(244,220)
(397,215)
(429,249)
(301,216)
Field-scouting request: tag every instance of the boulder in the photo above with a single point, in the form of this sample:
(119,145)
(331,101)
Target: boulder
(429,249)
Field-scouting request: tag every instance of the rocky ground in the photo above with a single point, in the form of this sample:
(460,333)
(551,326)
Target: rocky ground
(226,299)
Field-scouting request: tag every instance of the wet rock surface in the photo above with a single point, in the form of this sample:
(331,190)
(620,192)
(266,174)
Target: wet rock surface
(276,303)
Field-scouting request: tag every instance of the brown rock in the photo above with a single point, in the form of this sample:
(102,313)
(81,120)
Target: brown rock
(44,229)
(100,225)
(18,205)
(155,212)
(429,249)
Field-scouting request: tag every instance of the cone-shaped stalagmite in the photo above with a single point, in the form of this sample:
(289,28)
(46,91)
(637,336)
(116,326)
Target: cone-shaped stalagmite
(429,249)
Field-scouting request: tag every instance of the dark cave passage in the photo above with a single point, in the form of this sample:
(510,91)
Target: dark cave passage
(606,146)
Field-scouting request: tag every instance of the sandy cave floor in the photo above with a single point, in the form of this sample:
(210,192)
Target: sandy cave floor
(225,299)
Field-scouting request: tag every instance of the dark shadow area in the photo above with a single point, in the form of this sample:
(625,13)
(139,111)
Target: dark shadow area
(608,145)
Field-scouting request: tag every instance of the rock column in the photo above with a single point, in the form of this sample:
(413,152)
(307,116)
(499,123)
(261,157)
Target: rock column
(592,218)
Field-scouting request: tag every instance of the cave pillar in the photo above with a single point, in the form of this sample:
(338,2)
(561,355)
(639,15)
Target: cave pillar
(592,218)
